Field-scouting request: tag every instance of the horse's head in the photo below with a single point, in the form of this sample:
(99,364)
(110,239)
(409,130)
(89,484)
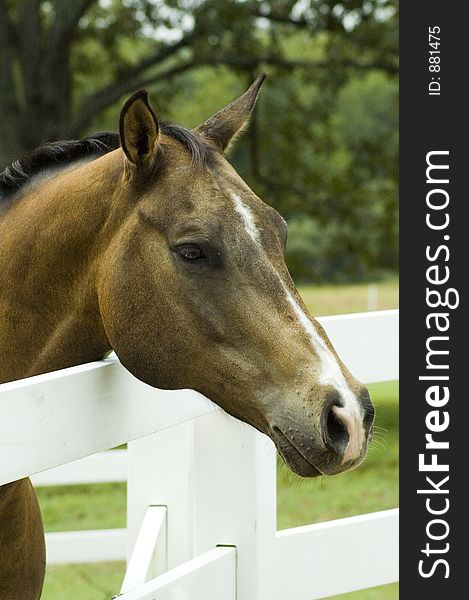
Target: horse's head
(195,294)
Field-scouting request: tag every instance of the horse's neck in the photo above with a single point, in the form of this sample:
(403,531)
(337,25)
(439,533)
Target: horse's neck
(50,247)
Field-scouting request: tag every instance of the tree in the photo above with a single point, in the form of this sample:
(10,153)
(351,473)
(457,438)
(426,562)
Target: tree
(50,51)
(322,145)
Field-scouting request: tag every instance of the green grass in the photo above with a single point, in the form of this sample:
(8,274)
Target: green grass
(385,592)
(371,487)
(81,507)
(83,582)
(338,299)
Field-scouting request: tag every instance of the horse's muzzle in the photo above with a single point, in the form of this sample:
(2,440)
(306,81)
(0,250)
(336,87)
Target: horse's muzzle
(339,446)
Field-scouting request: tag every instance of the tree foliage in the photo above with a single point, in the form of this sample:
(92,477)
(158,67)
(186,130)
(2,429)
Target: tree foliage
(322,146)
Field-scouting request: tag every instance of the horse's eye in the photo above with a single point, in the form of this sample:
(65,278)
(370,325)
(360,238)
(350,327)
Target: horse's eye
(191,252)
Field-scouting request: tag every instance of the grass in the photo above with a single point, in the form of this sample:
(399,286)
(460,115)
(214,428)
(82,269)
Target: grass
(385,592)
(338,299)
(81,507)
(372,487)
(84,582)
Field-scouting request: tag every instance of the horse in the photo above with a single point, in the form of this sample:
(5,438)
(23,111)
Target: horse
(148,243)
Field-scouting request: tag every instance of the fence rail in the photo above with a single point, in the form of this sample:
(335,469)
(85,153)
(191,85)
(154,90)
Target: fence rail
(340,556)
(213,478)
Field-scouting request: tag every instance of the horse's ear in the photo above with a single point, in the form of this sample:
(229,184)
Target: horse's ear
(227,122)
(138,128)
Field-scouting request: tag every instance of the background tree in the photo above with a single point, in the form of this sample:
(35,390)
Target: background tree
(322,146)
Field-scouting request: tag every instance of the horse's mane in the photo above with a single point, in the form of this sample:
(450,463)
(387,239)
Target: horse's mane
(57,155)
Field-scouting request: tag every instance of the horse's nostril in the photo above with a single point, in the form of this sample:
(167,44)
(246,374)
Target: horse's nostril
(337,436)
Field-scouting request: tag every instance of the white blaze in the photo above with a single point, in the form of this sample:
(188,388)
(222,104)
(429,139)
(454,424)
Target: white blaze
(246,215)
(331,373)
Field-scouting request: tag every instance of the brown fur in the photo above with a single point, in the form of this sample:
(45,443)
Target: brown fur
(93,258)
(22,551)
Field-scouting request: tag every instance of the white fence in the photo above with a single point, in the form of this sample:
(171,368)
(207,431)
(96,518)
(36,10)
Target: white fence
(201,488)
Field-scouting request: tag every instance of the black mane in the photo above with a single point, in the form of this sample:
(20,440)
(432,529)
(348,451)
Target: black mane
(56,155)
(51,156)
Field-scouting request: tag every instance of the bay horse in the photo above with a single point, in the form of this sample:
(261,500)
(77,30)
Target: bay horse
(149,243)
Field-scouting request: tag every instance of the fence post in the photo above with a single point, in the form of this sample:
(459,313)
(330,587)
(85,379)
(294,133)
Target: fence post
(160,473)
(217,478)
(235,499)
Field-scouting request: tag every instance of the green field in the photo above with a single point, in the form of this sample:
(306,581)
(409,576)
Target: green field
(372,487)
(338,299)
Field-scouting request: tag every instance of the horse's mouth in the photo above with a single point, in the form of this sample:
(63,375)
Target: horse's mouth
(293,457)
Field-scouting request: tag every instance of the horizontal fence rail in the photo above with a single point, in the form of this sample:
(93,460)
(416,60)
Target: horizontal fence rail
(337,556)
(103,467)
(58,417)
(368,343)
(196,479)
(52,419)
(101,545)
